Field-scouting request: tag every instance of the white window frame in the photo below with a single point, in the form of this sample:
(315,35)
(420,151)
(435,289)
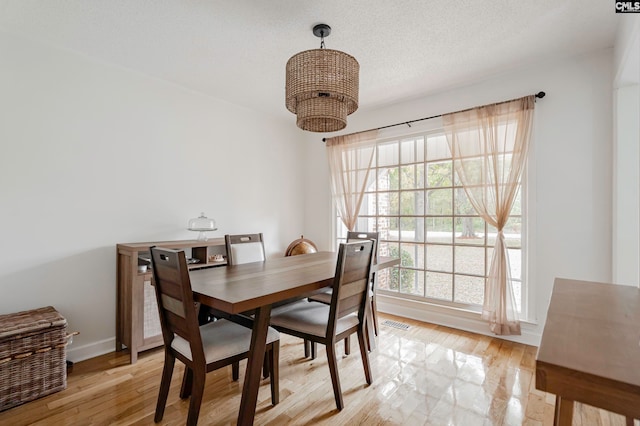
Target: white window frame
(526,298)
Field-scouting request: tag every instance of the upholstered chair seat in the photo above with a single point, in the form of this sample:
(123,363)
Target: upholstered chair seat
(310,318)
(221,339)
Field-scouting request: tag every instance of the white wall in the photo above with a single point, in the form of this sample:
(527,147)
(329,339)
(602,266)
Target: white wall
(92,155)
(626,53)
(626,186)
(569,200)
(626,160)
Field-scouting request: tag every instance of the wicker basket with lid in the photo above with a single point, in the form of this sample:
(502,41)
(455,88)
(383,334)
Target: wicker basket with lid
(32,355)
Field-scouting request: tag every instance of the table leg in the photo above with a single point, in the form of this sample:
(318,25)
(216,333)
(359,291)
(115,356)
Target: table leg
(254,366)
(563,412)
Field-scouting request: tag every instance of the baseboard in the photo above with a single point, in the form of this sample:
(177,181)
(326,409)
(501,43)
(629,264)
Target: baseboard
(91,350)
(420,311)
(451,317)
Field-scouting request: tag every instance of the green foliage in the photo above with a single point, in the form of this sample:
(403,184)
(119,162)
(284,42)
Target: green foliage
(439,174)
(398,273)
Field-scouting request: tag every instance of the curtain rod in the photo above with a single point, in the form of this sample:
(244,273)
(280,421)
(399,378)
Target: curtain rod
(538,95)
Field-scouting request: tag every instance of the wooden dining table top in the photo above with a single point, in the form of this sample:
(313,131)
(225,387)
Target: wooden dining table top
(590,348)
(239,288)
(594,328)
(257,286)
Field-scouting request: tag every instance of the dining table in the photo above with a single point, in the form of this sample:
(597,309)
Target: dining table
(590,349)
(257,287)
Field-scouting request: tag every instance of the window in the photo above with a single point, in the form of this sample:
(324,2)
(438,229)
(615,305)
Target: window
(423,216)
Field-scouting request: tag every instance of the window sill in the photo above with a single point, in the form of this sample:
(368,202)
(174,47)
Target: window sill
(454,317)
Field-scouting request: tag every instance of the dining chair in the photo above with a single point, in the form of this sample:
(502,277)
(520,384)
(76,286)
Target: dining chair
(201,348)
(244,248)
(296,248)
(241,248)
(325,297)
(328,324)
(374,236)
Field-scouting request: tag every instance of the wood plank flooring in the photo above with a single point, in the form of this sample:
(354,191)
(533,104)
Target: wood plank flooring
(426,375)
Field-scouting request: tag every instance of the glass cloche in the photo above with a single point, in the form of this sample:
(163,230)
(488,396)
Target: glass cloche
(202,225)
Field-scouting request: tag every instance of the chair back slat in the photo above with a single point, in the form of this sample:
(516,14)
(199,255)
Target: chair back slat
(350,286)
(244,248)
(167,268)
(373,236)
(349,305)
(177,324)
(353,288)
(175,299)
(171,285)
(173,305)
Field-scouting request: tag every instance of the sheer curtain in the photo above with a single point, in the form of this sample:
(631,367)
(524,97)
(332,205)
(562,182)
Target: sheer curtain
(489,146)
(350,159)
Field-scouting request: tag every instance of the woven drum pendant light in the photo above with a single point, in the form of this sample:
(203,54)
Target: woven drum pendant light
(322,86)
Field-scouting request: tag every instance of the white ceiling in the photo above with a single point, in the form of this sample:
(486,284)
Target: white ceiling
(237,49)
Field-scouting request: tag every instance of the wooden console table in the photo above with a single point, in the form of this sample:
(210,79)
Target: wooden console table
(590,348)
(137,321)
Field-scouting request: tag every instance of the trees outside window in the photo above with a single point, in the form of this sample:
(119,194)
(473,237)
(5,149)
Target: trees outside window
(423,217)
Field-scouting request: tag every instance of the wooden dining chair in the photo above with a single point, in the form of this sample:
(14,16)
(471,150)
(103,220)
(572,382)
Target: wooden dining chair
(244,248)
(356,236)
(346,315)
(247,248)
(241,248)
(201,348)
(325,297)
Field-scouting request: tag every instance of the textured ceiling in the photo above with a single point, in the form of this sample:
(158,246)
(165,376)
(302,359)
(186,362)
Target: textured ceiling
(237,50)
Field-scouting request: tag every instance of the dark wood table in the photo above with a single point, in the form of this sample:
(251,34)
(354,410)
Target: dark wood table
(258,285)
(590,348)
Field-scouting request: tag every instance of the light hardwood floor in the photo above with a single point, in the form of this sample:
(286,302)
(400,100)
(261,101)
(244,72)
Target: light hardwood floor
(426,375)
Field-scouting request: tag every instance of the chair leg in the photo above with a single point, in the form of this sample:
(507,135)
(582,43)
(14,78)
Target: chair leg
(165,382)
(265,366)
(274,372)
(314,349)
(187,383)
(333,369)
(347,345)
(370,338)
(367,334)
(374,313)
(307,348)
(196,396)
(203,315)
(364,353)
(235,371)
(368,342)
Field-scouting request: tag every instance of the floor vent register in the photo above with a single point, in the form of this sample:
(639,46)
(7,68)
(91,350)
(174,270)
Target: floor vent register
(396,324)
